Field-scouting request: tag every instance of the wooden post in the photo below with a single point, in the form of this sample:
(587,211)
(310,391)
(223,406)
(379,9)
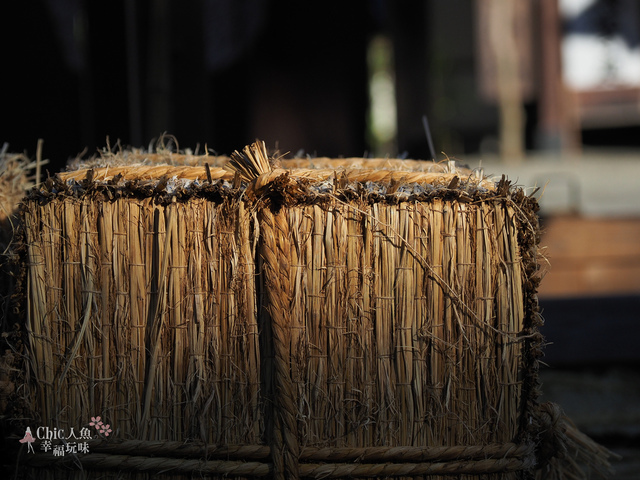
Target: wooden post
(502,20)
(558,128)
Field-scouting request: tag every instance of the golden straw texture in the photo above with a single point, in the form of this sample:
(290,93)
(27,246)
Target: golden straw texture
(146,315)
(289,327)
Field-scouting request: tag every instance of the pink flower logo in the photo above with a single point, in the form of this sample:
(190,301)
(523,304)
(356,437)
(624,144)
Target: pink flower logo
(102,429)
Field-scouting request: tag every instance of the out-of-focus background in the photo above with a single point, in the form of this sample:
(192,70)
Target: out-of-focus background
(546,91)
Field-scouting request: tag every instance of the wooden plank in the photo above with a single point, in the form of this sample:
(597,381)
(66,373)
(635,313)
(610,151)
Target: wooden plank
(591,257)
(590,297)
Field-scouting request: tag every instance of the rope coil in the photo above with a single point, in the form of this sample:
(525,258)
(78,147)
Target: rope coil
(557,453)
(375,461)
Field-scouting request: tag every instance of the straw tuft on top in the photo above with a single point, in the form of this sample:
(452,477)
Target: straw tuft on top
(252,162)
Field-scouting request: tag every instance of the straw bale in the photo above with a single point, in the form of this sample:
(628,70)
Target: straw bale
(18,173)
(291,322)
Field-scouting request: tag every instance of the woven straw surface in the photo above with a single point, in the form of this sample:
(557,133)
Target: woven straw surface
(285,322)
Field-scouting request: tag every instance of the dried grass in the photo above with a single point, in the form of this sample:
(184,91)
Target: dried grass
(135,306)
(320,333)
(18,174)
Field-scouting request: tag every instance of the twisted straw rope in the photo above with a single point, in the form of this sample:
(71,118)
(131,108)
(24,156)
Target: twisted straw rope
(370,163)
(362,175)
(148,172)
(275,253)
(102,461)
(381,176)
(175,449)
(105,461)
(253,164)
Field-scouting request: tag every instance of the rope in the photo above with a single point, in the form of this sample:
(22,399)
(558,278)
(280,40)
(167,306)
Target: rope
(562,448)
(148,172)
(175,449)
(159,448)
(103,461)
(416,454)
(362,175)
(275,253)
(365,175)
(412,469)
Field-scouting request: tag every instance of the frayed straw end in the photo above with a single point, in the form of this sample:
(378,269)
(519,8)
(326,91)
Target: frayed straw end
(564,452)
(252,162)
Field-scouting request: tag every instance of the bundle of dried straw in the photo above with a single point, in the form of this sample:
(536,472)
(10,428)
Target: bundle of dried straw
(314,320)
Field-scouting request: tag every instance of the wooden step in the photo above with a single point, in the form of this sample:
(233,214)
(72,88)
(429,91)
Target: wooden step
(591,256)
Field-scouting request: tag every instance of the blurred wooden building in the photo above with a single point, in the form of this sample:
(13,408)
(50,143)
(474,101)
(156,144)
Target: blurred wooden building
(221,73)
